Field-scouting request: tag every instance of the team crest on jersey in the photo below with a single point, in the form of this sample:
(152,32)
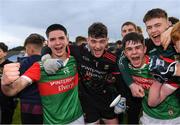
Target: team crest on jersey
(170,111)
(66,70)
(106,67)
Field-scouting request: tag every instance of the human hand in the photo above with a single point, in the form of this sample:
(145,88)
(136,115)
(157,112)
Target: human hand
(136,90)
(166,38)
(10,73)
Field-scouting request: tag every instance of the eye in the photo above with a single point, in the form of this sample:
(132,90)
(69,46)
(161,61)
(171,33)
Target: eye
(93,41)
(61,38)
(149,27)
(128,49)
(52,39)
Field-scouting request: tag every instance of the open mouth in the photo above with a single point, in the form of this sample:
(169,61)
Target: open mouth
(135,58)
(97,52)
(58,49)
(156,38)
(136,61)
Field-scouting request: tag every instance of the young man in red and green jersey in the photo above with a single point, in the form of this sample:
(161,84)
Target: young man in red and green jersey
(156,22)
(168,111)
(59,92)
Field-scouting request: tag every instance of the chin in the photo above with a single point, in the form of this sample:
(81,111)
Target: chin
(158,43)
(97,56)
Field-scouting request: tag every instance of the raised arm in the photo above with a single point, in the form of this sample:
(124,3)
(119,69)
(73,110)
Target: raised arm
(11,82)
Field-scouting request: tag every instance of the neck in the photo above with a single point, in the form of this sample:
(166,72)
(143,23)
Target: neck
(63,57)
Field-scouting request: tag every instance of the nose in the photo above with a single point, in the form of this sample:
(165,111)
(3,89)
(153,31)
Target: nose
(58,41)
(134,51)
(153,29)
(98,45)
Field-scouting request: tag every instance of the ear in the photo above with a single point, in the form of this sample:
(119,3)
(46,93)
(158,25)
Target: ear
(48,43)
(124,52)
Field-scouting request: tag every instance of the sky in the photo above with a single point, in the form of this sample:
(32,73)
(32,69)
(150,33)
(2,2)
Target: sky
(20,18)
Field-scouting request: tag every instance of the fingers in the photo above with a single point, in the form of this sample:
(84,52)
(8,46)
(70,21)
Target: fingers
(10,73)
(166,38)
(137,90)
(140,92)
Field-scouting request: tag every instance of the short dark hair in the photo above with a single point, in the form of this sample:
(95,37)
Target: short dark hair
(80,38)
(98,30)
(119,42)
(134,37)
(35,39)
(155,13)
(56,27)
(4,47)
(173,20)
(129,23)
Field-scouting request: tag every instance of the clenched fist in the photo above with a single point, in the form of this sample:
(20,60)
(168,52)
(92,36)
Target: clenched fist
(10,73)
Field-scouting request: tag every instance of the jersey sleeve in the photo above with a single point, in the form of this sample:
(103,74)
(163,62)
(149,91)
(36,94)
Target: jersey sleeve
(33,72)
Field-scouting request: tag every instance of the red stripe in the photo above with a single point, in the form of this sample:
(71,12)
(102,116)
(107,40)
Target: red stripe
(110,56)
(58,86)
(116,73)
(167,59)
(147,59)
(174,84)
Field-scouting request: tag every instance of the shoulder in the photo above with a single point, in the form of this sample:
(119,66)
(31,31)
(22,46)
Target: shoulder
(110,56)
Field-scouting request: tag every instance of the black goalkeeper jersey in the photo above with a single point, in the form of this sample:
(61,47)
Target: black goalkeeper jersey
(97,75)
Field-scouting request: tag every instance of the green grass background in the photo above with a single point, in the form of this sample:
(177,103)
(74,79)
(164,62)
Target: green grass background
(17,115)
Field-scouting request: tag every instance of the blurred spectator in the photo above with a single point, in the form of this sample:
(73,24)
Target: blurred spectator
(7,104)
(139,30)
(80,40)
(173,20)
(31,109)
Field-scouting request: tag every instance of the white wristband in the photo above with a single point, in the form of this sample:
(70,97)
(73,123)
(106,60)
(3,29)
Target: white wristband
(27,78)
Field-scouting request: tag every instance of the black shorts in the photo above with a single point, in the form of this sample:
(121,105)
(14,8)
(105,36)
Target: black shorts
(96,108)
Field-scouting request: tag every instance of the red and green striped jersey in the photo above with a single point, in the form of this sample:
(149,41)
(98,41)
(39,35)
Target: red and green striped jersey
(169,108)
(59,92)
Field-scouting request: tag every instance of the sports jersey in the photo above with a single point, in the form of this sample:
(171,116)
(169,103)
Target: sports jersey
(59,92)
(151,50)
(97,75)
(99,82)
(169,108)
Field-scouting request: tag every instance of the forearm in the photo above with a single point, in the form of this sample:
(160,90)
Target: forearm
(15,87)
(158,93)
(154,94)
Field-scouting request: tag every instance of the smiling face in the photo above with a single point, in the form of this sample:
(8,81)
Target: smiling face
(58,41)
(155,27)
(97,46)
(135,52)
